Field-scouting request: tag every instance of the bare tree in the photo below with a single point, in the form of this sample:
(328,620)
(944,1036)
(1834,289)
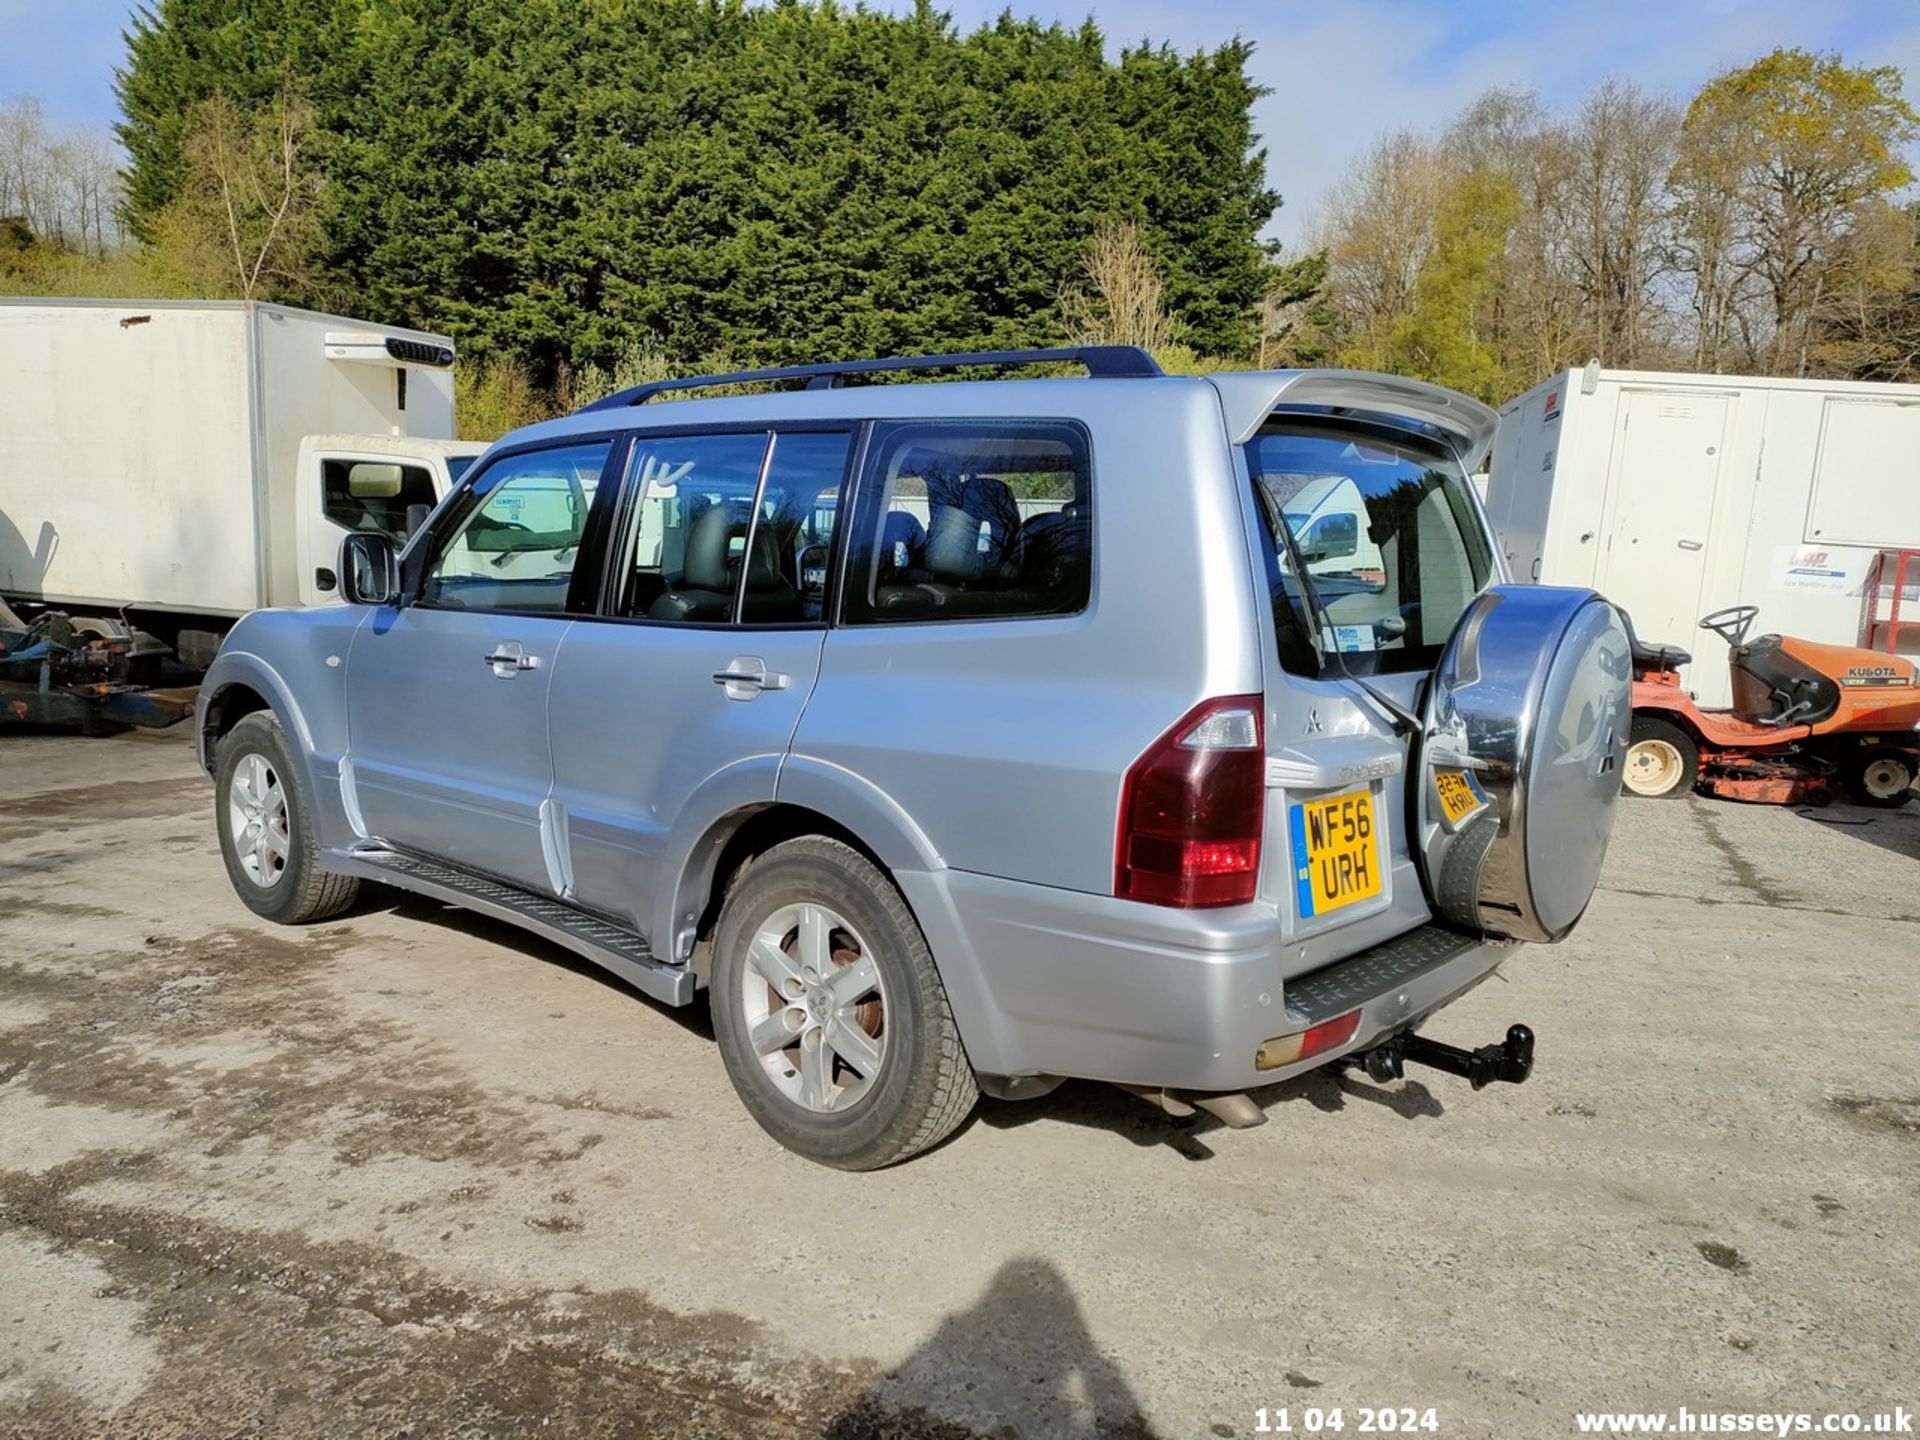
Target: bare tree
(1121,300)
(1618,151)
(1378,230)
(246,222)
(63,188)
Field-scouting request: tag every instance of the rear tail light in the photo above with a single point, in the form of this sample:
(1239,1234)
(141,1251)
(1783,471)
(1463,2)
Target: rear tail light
(1191,810)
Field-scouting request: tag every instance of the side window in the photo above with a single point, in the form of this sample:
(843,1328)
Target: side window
(517,535)
(687,536)
(373,495)
(974,520)
(712,543)
(786,570)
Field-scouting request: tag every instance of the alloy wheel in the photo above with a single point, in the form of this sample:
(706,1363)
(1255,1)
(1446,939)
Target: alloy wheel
(815,1007)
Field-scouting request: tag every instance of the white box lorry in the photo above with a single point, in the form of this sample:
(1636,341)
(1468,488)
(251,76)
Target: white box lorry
(1675,495)
(167,466)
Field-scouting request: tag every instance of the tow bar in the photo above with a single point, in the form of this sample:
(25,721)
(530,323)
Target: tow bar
(1510,1061)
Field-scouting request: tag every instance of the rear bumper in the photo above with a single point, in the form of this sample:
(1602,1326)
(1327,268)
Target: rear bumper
(1049,982)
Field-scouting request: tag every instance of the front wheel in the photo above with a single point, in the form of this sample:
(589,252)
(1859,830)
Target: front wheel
(1880,778)
(266,829)
(1662,760)
(831,1018)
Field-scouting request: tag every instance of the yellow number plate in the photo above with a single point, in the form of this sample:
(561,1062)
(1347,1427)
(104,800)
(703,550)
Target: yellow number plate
(1459,796)
(1336,857)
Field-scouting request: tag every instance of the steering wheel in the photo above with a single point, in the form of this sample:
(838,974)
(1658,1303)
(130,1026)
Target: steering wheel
(1732,623)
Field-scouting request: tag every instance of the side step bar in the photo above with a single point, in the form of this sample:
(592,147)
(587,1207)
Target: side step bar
(612,947)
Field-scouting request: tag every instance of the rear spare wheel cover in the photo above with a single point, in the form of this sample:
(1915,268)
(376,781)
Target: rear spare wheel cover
(1531,696)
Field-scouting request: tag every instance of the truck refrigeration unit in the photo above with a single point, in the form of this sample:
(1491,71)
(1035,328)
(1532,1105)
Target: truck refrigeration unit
(1679,495)
(167,466)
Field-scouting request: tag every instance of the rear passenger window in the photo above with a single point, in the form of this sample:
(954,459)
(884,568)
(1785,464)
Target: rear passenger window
(982,520)
(712,542)
(690,522)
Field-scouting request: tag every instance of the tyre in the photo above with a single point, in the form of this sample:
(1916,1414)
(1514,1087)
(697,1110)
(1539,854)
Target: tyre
(1880,778)
(266,828)
(1662,760)
(831,1018)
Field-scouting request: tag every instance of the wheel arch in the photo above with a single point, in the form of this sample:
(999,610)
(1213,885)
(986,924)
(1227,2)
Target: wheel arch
(238,685)
(809,797)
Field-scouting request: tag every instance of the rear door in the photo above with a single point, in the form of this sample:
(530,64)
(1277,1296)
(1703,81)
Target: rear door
(678,701)
(1667,456)
(447,697)
(1340,863)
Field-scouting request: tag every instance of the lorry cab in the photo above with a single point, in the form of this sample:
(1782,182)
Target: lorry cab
(378,484)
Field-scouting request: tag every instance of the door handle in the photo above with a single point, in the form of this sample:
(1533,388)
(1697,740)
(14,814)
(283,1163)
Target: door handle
(1689,544)
(746,676)
(511,658)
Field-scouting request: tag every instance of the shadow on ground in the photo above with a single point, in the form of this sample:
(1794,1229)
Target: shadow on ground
(1895,830)
(1106,1107)
(1022,1353)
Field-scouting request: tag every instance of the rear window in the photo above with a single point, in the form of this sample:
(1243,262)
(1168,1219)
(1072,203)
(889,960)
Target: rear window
(1384,528)
(975,520)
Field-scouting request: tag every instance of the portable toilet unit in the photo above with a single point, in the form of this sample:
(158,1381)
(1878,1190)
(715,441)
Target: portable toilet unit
(1676,495)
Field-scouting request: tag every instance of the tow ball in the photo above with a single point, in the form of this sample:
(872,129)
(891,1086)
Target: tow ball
(1510,1061)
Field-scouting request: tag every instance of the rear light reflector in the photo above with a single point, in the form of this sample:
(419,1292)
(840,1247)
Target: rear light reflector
(1192,810)
(1317,1040)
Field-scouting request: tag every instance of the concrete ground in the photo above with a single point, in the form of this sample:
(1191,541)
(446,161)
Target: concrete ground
(411,1172)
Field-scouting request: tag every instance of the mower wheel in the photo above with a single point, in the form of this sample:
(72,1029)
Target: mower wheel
(1880,778)
(1662,760)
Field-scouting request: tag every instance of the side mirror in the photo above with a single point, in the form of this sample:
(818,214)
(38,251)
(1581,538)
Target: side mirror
(369,573)
(417,517)
(373,480)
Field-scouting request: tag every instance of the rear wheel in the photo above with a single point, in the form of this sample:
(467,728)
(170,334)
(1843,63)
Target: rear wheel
(1662,760)
(831,1018)
(1880,778)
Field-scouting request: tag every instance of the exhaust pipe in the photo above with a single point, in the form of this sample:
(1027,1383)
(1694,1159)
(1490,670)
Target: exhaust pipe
(1510,1062)
(1233,1109)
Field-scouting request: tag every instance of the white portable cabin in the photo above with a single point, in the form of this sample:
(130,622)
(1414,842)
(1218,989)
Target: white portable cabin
(148,448)
(1675,495)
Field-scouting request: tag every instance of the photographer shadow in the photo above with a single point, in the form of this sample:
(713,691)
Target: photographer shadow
(1020,1360)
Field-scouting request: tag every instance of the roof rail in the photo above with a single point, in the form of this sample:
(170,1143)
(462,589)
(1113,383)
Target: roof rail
(1102,362)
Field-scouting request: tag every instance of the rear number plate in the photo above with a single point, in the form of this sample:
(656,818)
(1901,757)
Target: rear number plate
(1336,858)
(1459,796)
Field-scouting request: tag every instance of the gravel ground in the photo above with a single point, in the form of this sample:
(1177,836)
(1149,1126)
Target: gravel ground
(412,1172)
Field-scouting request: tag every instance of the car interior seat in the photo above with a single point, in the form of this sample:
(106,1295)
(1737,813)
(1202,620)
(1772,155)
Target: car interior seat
(704,590)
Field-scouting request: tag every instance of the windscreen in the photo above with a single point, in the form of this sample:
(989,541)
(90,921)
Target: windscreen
(1385,531)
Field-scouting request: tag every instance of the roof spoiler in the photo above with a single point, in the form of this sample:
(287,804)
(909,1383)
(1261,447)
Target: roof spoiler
(1248,397)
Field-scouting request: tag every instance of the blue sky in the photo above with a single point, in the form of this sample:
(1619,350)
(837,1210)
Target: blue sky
(1341,71)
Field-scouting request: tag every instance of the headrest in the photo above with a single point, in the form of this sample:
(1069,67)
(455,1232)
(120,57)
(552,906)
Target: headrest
(953,545)
(705,567)
(991,500)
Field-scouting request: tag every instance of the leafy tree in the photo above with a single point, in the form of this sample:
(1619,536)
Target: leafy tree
(1775,161)
(1443,337)
(560,180)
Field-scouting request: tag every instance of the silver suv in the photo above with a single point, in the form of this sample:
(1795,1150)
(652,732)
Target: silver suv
(960,737)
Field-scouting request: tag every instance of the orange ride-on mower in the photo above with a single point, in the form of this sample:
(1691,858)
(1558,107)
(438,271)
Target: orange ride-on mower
(1806,719)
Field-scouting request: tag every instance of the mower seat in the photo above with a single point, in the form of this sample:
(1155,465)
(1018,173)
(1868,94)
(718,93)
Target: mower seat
(1772,686)
(1652,657)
